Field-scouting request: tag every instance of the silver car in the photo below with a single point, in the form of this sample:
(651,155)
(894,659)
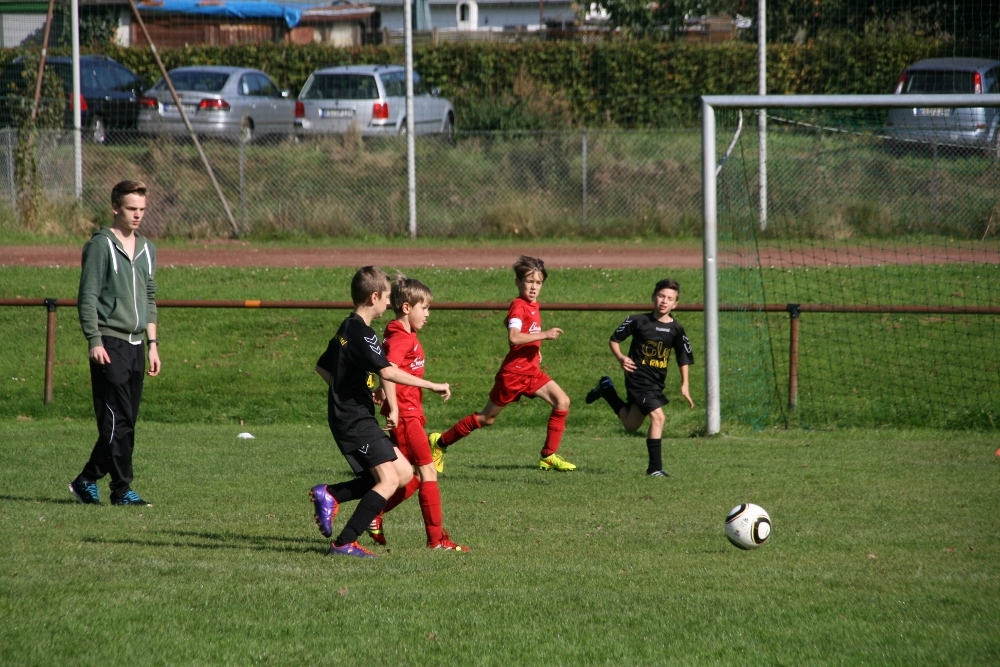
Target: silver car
(372,99)
(219,101)
(978,126)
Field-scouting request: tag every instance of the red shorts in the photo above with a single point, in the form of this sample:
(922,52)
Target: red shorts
(509,387)
(412,440)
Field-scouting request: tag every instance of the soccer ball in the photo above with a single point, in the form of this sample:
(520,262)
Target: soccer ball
(748,526)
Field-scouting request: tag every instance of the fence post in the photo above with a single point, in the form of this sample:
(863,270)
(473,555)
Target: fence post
(794,310)
(243,190)
(9,133)
(50,348)
(584,178)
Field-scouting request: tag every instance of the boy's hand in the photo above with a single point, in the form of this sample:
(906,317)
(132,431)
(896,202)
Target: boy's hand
(686,392)
(443,390)
(551,334)
(627,364)
(154,361)
(378,396)
(392,419)
(100,355)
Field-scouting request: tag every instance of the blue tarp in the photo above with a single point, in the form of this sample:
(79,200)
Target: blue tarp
(241,9)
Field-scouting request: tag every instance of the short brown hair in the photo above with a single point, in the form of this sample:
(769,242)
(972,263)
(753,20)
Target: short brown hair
(367,281)
(408,290)
(126,188)
(525,265)
(667,283)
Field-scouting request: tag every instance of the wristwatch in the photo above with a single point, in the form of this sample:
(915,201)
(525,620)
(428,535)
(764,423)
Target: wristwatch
(151,341)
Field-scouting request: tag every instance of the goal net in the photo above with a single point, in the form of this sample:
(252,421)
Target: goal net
(881,232)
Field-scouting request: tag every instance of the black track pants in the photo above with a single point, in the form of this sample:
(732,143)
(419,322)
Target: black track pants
(117,389)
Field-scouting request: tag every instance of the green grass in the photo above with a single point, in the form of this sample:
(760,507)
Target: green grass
(854,370)
(885,545)
(884,551)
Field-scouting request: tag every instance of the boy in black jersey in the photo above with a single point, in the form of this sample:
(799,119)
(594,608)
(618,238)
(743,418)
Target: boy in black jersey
(349,366)
(654,335)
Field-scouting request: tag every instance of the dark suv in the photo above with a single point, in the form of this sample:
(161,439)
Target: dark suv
(110,93)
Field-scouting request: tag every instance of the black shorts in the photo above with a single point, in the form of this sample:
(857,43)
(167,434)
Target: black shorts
(370,454)
(647,402)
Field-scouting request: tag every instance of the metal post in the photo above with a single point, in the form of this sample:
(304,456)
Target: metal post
(41,60)
(794,310)
(934,184)
(411,146)
(50,348)
(584,178)
(762,113)
(184,117)
(243,189)
(77,117)
(713,410)
(9,133)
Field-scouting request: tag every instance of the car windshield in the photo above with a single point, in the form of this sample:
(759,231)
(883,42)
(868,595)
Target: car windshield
(939,82)
(341,87)
(202,82)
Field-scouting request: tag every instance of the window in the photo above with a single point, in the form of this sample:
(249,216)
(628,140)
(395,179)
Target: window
(395,84)
(202,82)
(106,79)
(266,87)
(463,12)
(342,87)
(939,82)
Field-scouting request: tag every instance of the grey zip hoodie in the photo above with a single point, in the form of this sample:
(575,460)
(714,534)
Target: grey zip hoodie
(117,295)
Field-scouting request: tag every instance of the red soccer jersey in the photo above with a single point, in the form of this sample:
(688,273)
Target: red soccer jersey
(526,318)
(403,348)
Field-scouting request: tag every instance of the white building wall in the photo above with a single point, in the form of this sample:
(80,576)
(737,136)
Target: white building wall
(490,16)
(18,27)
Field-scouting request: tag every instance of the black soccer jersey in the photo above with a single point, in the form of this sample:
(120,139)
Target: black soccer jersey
(352,358)
(652,342)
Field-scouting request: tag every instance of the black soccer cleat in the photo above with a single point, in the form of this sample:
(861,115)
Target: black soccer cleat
(595,393)
(658,473)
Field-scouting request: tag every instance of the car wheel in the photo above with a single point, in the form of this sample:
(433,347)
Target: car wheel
(246,131)
(448,131)
(98,132)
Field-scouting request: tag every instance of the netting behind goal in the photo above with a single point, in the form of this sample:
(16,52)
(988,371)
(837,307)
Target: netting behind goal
(895,212)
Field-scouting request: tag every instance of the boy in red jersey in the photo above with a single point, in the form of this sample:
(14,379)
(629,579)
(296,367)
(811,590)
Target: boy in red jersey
(404,407)
(519,374)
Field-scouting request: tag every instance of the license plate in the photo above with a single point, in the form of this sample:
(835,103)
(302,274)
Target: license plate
(336,113)
(932,112)
(189,108)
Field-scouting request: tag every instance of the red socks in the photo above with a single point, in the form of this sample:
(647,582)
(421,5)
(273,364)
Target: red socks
(430,507)
(554,433)
(464,427)
(402,494)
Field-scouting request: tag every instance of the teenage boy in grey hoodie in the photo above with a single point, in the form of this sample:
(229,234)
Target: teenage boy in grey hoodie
(117,305)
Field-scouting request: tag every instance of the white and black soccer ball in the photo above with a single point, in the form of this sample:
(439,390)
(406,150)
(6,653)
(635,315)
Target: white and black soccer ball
(748,526)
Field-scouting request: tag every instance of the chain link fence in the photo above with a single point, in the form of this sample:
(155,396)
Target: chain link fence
(572,182)
(829,182)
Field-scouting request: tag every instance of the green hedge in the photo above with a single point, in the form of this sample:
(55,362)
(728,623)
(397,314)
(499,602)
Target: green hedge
(614,83)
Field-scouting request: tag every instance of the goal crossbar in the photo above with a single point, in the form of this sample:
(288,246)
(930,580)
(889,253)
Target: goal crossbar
(709,103)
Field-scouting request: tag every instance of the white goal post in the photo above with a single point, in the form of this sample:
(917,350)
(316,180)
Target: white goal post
(709,103)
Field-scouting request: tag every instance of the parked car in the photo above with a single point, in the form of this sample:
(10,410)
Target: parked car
(976,126)
(220,101)
(110,93)
(371,98)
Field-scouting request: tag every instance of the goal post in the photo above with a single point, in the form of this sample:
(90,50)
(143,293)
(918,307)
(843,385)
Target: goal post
(712,103)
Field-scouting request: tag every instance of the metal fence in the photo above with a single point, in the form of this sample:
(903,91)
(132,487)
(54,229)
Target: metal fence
(511,183)
(827,182)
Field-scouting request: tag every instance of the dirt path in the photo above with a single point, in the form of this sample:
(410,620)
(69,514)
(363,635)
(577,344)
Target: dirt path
(609,256)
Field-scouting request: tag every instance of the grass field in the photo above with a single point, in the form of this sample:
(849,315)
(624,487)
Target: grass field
(885,551)
(885,546)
